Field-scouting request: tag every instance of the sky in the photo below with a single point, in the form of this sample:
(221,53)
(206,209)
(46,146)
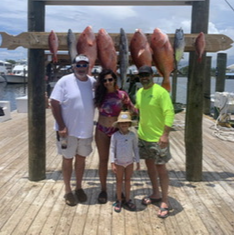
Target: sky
(13,20)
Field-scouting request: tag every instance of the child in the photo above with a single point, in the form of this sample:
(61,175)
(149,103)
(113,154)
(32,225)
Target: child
(123,152)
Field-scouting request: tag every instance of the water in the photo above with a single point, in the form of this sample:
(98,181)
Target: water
(181,94)
(10,92)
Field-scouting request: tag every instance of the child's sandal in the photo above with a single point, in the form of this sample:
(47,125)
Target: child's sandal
(117,206)
(130,206)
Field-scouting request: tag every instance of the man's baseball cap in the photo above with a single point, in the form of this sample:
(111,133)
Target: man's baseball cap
(145,69)
(80,58)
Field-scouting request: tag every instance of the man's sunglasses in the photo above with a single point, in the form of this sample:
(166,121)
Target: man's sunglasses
(142,75)
(81,65)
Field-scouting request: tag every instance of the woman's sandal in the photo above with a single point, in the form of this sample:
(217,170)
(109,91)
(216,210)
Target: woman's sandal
(117,206)
(103,197)
(130,206)
(148,200)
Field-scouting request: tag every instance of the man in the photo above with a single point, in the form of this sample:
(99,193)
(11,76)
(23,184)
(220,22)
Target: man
(73,109)
(156,114)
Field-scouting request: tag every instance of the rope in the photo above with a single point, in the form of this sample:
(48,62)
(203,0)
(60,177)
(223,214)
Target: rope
(229,4)
(222,127)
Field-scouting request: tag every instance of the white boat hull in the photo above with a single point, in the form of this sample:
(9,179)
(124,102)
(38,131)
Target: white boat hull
(15,79)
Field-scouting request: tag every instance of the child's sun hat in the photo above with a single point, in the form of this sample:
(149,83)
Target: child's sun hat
(124,117)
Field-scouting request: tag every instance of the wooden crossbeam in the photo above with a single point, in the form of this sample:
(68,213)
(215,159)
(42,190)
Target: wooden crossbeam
(39,40)
(119,2)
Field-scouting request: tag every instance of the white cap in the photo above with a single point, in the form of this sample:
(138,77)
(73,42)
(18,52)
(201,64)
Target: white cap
(81,58)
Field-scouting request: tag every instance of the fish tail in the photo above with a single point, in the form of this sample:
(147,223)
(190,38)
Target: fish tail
(199,60)
(166,85)
(55,59)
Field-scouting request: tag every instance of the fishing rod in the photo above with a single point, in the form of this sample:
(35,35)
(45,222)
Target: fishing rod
(229,5)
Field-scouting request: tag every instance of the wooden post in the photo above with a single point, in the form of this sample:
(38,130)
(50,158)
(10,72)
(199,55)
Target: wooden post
(221,71)
(194,108)
(207,87)
(36,96)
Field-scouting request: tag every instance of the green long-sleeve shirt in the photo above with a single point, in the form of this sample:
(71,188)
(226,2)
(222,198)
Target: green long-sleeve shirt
(155,111)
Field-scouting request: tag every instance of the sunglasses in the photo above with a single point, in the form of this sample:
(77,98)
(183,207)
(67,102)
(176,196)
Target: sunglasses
(142,75)
(81,65)
(108,79)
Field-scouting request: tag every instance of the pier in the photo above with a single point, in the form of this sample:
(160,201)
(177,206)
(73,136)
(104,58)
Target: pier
(27,207)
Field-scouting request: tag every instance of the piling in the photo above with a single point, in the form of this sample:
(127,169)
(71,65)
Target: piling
(207,87)
(194,108)
(221,71)
(36,96)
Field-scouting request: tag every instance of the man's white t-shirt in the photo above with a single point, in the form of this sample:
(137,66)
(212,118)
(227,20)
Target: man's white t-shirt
(77,105)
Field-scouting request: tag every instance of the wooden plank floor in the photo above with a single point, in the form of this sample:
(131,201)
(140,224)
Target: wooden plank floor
(38,207)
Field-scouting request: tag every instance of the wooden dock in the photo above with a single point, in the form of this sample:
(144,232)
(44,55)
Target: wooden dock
(27,207)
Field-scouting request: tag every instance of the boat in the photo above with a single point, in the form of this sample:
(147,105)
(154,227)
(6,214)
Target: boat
(18,75)
(229,75)
(5,68)
(229,72)
(223,102)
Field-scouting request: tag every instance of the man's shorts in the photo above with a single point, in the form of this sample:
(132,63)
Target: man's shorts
(151,150)
(75,146)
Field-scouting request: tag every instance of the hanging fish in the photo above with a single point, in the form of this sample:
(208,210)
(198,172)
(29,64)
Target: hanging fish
(163,56)
(106,51)
(53,45)
(141,52)
(123,57)
(72,44)
(87,45)
(179,45)
(200,44)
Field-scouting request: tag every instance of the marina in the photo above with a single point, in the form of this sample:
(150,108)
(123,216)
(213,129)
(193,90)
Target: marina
(28,207)
(201,171)
(9,92)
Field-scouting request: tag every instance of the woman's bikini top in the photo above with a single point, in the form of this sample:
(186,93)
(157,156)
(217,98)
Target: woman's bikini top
(114,102)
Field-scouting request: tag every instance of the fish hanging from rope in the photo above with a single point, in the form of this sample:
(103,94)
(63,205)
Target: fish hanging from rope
(87,45)
(200,45)
(141,52)
(123,56)
(106,51)
(179,45)
(53,45)
(163,56)
(72,45)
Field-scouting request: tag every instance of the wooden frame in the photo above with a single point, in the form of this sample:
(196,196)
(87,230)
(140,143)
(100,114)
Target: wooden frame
(119,2)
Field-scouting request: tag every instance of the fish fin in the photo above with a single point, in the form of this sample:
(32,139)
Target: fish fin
(140,52)
(90,42)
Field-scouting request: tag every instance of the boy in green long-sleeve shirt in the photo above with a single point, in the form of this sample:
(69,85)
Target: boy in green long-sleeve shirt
(156,114)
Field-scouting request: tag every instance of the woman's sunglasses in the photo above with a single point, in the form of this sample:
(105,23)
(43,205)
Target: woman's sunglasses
(107,79)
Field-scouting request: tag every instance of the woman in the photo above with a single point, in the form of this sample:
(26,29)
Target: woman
(110,101)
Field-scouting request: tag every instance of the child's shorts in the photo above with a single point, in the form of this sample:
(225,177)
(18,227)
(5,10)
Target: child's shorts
(152,150)
(75,146)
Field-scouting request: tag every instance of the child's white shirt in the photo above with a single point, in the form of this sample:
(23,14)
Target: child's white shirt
(124,148)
